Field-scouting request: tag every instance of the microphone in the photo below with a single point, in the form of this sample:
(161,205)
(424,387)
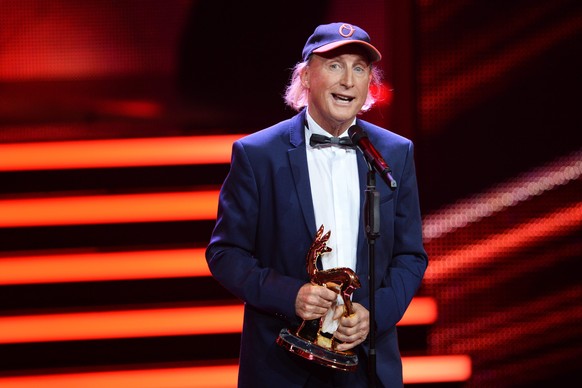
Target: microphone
(361,140)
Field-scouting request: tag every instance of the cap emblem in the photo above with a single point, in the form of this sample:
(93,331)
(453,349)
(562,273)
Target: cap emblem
(346,30)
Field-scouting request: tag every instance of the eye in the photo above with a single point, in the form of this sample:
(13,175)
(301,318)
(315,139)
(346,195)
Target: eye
(360,69)
(335,66)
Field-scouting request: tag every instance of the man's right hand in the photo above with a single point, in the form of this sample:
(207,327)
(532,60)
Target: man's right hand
(313,301)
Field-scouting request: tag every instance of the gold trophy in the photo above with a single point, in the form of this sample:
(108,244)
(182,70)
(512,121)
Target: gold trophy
(309,340)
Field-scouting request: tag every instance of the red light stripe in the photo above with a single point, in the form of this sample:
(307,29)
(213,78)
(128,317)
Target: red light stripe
(103,266)
(151,322)
(529,234)
(219,376)
(121,324)
(423,310)
(425,369)
(453,90)
(436,369)
(502,196)
(117,153)
(538,317)
(101,209)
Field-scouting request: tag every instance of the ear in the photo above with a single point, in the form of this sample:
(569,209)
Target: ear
(305,78)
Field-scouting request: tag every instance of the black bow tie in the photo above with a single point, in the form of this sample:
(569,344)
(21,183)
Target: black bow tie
(317,140)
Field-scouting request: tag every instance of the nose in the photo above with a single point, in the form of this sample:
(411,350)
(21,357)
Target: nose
(347,79)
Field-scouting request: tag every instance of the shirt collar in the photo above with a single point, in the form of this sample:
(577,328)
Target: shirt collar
(313,127)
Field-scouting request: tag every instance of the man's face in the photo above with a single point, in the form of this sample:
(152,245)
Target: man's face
(338,86)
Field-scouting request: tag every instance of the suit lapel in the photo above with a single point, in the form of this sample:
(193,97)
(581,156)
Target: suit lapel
(362,265)
(300,171)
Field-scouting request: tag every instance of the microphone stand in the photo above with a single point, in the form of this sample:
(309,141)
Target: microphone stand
(372,224)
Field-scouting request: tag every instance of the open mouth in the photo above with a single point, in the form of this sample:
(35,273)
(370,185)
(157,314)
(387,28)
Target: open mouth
(342,98)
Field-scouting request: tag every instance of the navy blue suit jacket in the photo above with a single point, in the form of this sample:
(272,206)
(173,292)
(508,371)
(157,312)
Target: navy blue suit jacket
(265,226)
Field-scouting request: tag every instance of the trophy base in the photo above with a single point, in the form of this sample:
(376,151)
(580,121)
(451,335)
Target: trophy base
(346,361)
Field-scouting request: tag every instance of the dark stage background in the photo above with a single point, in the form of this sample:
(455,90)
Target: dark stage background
(95,270)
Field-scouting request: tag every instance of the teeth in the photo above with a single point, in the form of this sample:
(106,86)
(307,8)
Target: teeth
(343,98)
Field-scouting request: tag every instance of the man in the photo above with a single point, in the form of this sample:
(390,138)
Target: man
(281,189)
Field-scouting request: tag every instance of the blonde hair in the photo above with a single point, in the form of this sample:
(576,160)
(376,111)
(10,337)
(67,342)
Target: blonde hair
(296,95)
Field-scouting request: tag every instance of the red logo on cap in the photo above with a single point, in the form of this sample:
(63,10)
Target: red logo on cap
(346,30)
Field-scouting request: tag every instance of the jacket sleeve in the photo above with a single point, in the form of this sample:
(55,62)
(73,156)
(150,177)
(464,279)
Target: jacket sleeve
(231,252)
(408,262)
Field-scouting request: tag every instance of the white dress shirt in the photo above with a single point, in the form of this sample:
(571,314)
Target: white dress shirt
(335,190)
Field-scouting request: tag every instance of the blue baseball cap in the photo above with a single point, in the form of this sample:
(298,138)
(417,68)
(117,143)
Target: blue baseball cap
(327,37)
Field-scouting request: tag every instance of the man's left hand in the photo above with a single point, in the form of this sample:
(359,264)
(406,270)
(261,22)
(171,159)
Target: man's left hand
(352,330)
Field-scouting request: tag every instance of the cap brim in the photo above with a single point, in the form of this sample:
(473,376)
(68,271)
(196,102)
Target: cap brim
(375,55)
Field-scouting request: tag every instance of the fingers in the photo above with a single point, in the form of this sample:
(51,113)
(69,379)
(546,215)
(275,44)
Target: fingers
(351,337)
(352,330)
(351,343)
(313,301)
(325,293)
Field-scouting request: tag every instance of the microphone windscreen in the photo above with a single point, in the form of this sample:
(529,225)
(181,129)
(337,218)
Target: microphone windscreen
(356,134)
